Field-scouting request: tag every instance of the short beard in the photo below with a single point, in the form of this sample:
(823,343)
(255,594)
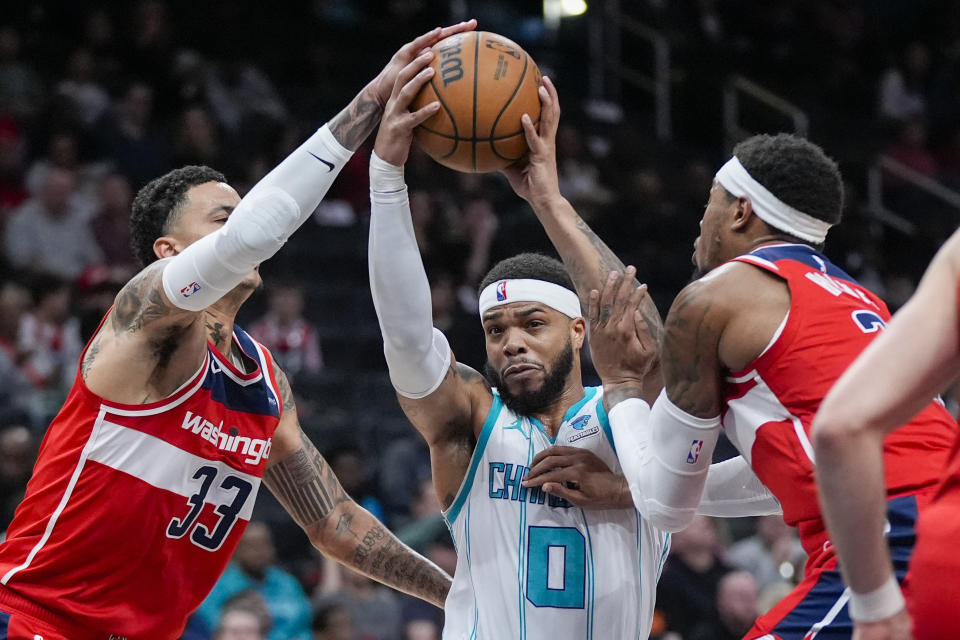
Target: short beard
(530,403)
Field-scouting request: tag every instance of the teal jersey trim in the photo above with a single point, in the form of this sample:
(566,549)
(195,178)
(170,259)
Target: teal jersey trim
(464,493)
(588,394)
(605,425)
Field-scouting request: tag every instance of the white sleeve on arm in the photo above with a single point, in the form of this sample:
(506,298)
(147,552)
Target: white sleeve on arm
(665,454)
(417,354)
(263,220)
(733,490)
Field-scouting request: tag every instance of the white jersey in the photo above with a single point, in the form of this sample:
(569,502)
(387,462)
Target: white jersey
(533,567)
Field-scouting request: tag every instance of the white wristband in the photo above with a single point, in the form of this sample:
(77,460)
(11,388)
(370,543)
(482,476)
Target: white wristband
(385,177)
(880,603)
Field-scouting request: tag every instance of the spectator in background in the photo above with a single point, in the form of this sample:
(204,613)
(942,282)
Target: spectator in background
(242,96)
(770,554)
(197,141)
(62,152)
(374,609)
(687,591)
(243,618)
(332,622)
(460,326)
(16,391)
(49,342)
(292,339)
(903,86)
(49,233)
(353,471)
(85,98)
(21,89)
(111,225)
(736,609)
(404,466)
(18,453)
(13,190)
(253,569)
(131,139)
(910,149)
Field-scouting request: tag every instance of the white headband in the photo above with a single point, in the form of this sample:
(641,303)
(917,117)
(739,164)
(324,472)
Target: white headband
(527,290)
(735,179)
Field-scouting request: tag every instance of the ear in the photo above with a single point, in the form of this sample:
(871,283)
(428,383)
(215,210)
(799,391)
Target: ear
(578,330)
(166,247)
(743,214)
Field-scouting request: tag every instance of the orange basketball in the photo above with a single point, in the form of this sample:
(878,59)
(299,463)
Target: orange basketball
(484,83)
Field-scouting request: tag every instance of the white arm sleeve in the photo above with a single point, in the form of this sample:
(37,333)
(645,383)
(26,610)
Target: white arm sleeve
(417,354)
(665,454)
(263,220)
(734,491)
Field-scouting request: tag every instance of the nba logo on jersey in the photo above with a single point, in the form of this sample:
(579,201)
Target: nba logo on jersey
(501,291)
(694,454)
(190,289)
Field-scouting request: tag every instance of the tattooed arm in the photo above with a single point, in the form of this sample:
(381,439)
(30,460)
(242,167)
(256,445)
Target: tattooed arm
(587,258)
(306,486)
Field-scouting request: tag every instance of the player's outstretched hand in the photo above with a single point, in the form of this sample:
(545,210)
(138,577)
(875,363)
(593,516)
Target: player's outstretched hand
(621,346)
(383,84)
(579,477)
(396,127)
(896,627)
(534,177)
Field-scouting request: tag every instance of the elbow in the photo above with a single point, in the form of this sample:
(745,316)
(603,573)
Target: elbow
(835,428)
(663,517)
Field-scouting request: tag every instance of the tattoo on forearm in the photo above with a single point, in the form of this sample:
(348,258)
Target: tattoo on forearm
(613,395)
(352,125)
(381,556)
(592,276)
(305,484)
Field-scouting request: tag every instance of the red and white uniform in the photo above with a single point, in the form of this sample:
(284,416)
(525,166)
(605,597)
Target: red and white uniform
(934,588)
(770,404)
(133,511)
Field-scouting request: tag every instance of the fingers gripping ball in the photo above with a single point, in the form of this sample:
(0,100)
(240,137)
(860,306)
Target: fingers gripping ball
(484,83)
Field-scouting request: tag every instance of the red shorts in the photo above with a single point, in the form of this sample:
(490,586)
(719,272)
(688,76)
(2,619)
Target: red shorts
(934,588)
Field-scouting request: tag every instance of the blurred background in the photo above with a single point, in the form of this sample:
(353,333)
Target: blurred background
(97,98)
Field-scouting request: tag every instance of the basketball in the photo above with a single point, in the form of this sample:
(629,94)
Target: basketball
(484,83)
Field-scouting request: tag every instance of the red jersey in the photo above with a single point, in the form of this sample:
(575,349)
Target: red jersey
(134,511)
(770,404)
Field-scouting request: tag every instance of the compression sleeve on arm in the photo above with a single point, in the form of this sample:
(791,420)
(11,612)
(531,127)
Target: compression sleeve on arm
(263,220)
(417,354)
(665,454)
(733,490)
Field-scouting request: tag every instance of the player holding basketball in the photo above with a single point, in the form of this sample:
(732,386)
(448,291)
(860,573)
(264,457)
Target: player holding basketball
(754,344)
(914,358)
(146,478)
(530,564)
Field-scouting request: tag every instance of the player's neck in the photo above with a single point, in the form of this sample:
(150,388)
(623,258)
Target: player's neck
(218,320)
(551,417)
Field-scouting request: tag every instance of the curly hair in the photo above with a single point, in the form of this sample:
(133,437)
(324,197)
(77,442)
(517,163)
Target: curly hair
(535,266)
(157,204)
(796,171)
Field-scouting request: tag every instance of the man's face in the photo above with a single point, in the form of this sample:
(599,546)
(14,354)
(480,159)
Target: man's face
(530,353)
(709,249)
(205,209)
(239,625)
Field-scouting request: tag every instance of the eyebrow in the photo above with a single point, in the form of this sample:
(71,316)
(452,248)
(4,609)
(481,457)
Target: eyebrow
(218,209)
(493,315)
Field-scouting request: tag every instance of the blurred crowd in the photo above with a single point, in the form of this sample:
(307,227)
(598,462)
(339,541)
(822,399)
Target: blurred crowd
(98,98)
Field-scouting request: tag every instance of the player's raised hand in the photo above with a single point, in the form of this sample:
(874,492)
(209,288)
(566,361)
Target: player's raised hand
(396,127)
(896,627)
(621,346)
(383,84)
(534,177)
